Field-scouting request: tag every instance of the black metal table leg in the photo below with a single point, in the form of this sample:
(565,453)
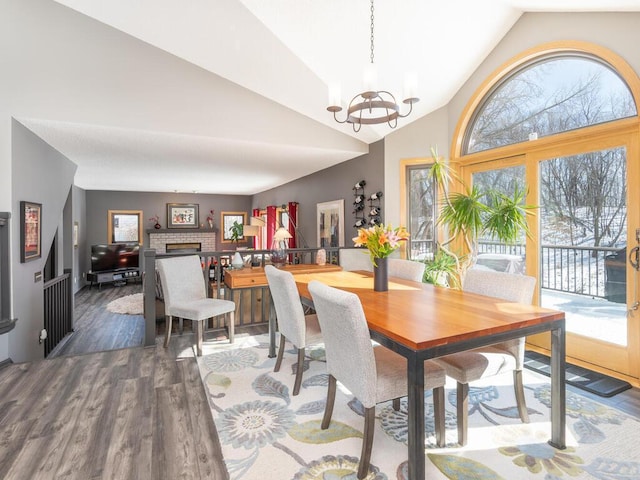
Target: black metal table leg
(415,377)
(558,388)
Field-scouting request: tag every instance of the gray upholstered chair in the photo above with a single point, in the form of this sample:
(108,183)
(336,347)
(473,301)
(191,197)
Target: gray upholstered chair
(185,296)
(355,259)
(465,367)
(372,375)
(407,269)
(300,329)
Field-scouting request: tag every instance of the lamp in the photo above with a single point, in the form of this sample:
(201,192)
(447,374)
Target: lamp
(250,230)
(372,106)
(279,247)
(257,221)
(281,234)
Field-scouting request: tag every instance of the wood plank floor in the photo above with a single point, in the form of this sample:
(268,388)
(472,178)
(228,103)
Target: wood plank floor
(127,413)
(96,329)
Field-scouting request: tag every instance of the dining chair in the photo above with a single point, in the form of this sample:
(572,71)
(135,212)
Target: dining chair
(300,329)
(185,296)
(355,259)
(407,269)
(372,374)
(483,362)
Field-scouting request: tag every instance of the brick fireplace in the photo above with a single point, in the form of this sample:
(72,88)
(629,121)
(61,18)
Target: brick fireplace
(158,239)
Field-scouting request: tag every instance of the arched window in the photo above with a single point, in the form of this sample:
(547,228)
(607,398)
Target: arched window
(555,94)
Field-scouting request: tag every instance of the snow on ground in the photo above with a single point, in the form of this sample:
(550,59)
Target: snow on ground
(591,317)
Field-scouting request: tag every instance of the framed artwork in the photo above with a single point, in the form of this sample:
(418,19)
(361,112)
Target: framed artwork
(183,215)
(330,221)
(124,226)
(30,231)
(226,221)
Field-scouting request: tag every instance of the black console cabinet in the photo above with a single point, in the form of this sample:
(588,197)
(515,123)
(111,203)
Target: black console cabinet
(118,277)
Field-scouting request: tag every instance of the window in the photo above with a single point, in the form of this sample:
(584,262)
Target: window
(421,203)
(552,95)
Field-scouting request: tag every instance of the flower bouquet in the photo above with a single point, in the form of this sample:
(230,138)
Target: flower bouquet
(381,241)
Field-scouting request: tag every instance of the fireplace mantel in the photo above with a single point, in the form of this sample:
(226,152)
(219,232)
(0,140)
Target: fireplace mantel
(181,230)
(159,238)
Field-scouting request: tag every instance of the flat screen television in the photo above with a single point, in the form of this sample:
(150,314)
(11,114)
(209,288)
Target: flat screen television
(116,256)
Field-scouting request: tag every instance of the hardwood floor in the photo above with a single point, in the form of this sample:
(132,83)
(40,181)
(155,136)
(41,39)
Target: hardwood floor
(129,413)
(96,329)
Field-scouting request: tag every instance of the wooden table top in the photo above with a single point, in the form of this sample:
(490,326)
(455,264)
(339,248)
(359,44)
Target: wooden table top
(255,277)
(422,316)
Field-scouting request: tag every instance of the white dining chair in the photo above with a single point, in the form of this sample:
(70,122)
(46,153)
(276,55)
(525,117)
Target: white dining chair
(355,259)
(372,375)
(300,329)
(407,269)
(185,296)
(483,362)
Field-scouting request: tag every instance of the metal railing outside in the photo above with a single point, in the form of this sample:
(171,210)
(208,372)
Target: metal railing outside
(564,268)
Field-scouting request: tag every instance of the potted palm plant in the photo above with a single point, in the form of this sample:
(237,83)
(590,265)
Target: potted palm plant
(470,214)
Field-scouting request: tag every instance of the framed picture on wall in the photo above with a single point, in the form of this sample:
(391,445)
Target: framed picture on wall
(330,221)
(30,231)
(183,215)
(227,219)
(124,226)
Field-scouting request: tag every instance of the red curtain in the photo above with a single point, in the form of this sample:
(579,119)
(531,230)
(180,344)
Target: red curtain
(293,223)
(256,240)
(271,224)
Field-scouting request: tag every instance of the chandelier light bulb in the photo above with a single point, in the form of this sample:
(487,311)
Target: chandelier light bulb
(335,98)
(410,87)
(370,78)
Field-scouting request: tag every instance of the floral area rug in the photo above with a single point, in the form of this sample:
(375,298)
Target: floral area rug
(128,305)
(266,433)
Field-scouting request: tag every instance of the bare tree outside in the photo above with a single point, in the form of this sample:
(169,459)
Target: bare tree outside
(584,195)
(422,214)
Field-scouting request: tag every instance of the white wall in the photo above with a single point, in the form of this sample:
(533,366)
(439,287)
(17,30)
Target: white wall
(413,141)
(618,32)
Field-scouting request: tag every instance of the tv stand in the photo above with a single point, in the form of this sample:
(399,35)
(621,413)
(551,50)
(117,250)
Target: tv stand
(117,277)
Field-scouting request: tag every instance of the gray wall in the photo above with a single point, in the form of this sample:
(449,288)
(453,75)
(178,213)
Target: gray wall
(42,175)
(98,204)
(330,184)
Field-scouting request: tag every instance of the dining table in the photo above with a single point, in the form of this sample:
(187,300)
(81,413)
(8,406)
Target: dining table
(421,321)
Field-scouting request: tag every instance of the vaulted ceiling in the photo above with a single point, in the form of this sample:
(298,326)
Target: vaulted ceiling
(255,77)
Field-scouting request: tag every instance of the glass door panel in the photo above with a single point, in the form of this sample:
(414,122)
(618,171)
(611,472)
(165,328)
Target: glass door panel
(493,254)
(583,240)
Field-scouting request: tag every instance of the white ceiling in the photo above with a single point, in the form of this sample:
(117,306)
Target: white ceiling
(286,51)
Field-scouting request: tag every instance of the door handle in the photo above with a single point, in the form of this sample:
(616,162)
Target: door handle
(634,257)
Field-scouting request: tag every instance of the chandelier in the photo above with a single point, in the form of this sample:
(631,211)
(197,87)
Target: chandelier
(372,106)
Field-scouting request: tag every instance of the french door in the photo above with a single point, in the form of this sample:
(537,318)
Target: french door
(588,219)
(582,244)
